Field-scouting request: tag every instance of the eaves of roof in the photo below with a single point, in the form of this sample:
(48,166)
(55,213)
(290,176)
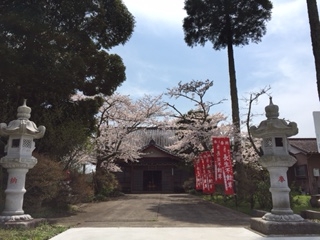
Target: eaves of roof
(152,143)
(305,145)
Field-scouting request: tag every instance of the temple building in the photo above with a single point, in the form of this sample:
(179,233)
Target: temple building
(157,171)
(305,173)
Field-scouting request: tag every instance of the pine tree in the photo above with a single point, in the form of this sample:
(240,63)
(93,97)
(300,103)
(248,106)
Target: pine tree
(227,23)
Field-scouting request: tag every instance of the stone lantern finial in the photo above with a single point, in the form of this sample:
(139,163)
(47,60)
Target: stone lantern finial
(24,111)
(272,111)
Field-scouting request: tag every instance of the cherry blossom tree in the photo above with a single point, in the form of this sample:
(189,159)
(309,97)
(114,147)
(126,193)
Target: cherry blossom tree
(195,129)
(118,119)
(79,157)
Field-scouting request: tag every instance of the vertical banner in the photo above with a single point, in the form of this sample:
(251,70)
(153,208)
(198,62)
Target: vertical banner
(221,148)
(205,187)
(218,164)
(227,168)
(198,173)
(208,176)
(210,173)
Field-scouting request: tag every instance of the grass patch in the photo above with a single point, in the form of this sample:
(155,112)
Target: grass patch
(42,232)
(229,202)
(299,203)
(49,212)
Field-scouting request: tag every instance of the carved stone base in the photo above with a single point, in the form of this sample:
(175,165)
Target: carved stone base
(282,218)
(304,227)
(27,224)
(14,218)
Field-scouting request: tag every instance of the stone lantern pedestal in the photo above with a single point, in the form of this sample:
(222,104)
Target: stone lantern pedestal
(276,159)
(18,161)
(278,167)
(15,191)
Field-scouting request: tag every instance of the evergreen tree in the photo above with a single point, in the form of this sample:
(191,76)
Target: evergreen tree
(227,23)
(49,51)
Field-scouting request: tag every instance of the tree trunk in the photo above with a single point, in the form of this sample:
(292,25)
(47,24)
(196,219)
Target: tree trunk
(234,103)
(233,88)
(315,37)
(97,183)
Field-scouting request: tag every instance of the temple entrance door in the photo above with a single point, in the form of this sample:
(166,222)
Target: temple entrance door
(152,181)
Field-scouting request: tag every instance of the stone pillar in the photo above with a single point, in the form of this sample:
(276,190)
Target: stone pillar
(280,191)
(278,167)
(15,191)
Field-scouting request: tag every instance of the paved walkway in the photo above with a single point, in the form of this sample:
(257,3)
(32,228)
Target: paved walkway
(159,217)
(156,210)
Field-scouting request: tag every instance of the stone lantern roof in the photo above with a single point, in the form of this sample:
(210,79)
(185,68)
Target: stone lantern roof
(273,125)
(22,125)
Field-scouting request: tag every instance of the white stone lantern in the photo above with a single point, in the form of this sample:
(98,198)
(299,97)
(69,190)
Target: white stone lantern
(274,133)
(18,161)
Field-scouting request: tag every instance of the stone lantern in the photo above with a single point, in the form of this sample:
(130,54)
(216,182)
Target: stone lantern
(274,133)
(18,161)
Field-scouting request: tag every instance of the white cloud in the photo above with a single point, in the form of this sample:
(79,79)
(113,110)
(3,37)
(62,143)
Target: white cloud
(287,15)
(167,11)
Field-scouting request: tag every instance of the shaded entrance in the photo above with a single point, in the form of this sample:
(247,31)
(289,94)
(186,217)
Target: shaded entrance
(152,181)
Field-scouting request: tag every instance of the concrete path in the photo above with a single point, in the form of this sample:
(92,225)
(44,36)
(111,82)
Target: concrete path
(159,216)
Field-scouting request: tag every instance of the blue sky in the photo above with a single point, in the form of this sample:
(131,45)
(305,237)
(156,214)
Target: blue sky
(156,58)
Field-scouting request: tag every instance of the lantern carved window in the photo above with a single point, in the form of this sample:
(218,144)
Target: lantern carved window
(15,143)
(268,142)
(279,142)
(27,143)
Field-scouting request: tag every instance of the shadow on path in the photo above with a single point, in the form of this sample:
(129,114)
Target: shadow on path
(156,210)
(190,210)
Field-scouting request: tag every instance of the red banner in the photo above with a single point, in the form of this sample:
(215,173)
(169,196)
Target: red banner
(207,172)
(218,161)
(198,173)
(223,163)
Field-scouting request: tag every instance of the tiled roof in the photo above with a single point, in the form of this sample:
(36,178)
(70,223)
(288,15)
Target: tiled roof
(162,137)
(306,145)
(152,143)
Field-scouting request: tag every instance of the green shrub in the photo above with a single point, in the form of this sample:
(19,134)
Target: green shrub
(105,185)
(263,195)
(42,182)
(81,188)
(189,185)
(72,190)
(295,193)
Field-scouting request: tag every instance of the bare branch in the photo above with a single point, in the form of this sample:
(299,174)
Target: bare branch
(254,98)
